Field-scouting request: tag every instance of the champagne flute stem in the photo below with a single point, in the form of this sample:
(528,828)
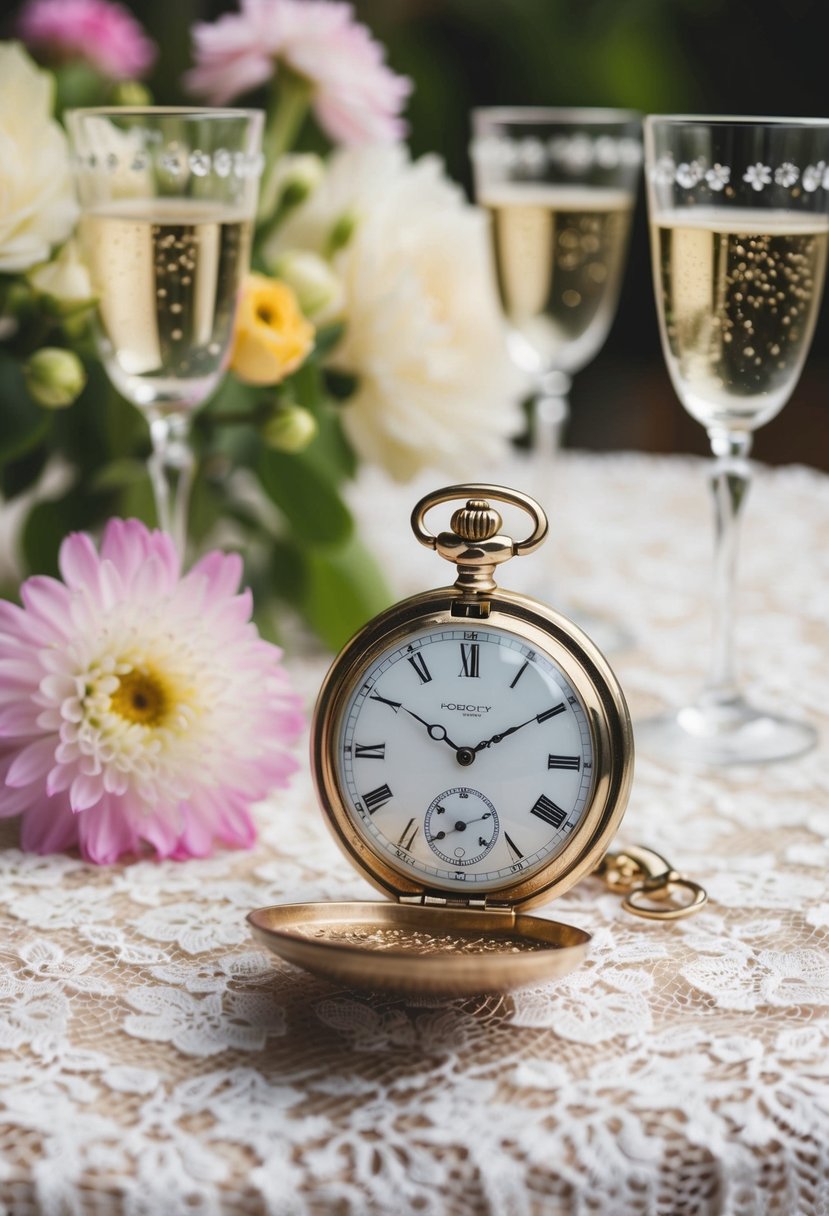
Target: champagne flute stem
(551,409)
(171,473)
(730,479)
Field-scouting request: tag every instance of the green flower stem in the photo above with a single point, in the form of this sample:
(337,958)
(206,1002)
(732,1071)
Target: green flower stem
(289,102)
(237,417)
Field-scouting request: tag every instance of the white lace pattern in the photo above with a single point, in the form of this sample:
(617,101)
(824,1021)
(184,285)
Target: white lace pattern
(154,1061)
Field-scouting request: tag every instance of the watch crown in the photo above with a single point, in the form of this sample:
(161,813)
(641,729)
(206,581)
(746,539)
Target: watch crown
(476,521)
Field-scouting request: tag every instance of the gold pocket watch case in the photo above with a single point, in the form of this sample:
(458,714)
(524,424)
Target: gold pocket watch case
(472,754)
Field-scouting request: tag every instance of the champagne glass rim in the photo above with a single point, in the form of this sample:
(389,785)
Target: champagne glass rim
(734,120)
(164,111)
(533,114)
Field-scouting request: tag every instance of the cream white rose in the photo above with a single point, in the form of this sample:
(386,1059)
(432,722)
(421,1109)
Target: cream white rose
(424,334)
(37,203)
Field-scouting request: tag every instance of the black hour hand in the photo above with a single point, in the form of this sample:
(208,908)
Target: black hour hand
(503,734)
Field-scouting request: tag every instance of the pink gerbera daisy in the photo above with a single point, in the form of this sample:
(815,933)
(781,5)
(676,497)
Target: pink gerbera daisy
(104,34)
(356,97)
(137,707)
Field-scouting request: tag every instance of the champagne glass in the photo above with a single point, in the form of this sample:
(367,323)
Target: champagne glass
(560,186)
(168,196)
(739,232)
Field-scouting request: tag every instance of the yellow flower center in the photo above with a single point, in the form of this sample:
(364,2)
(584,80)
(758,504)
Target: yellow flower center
(141,697)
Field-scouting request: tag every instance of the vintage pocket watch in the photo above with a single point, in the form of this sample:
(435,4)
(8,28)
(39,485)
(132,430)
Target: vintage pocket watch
(472,752)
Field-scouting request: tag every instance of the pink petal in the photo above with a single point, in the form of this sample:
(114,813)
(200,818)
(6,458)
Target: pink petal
(59,779)
(105,832)
(222,82)
(19,719)
(196,839)
(128,543)
(152,580)
(32,763)
(161,830)
(48,826)
(85,792)
(47,599)
(78,560)
(14,802)
(223,570)
(17,626)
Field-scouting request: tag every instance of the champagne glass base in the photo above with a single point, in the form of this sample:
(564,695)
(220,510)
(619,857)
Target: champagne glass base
(733,732)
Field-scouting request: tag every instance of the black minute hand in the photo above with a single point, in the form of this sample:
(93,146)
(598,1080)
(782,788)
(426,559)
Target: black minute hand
(436,731)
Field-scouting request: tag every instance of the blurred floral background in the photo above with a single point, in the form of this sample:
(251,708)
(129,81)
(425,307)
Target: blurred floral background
(281,419)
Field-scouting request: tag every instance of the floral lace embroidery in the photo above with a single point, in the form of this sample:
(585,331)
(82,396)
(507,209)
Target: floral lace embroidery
(153,1059)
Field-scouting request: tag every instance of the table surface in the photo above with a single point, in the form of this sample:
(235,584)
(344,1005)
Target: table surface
(153,1059)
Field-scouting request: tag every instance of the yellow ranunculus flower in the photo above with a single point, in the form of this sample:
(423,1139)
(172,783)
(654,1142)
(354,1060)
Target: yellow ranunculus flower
(272,337)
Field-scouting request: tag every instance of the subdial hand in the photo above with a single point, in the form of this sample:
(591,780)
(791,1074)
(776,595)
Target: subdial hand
(460,826)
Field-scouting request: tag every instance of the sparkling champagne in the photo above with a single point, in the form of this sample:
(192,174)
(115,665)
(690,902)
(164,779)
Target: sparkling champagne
(559,256)
(166,273)
(738,295)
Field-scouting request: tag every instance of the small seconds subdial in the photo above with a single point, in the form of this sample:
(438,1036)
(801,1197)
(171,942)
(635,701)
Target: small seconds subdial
(461,826)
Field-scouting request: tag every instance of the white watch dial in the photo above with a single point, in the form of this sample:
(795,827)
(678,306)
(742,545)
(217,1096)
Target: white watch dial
(466,757)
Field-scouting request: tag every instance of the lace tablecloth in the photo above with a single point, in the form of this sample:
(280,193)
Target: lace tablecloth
(154,1060)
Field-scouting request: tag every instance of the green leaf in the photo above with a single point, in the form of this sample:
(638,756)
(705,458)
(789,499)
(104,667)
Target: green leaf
(78,84)
(50,522)
(340,385)
(23,425)
(289,572)
(327,338)
(118,475)
(306,386)
(205,509)
(306,496)
(20,475)
(345,588)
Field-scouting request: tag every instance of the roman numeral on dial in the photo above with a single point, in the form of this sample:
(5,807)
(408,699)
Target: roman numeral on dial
(513,847)
(374,799)
(407,836)
(369,751)
(419,664)
(547,810)
(573,762)
(470,659)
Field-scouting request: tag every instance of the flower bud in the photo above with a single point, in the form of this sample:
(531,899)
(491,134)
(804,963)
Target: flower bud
(290,182)
(131,93)
(54,377)
(302,174)
(318,289)
(341,233)
(290,429)
(64,281)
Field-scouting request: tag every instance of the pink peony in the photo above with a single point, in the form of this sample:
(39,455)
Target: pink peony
(357,98)
(137,705)
(106,35)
